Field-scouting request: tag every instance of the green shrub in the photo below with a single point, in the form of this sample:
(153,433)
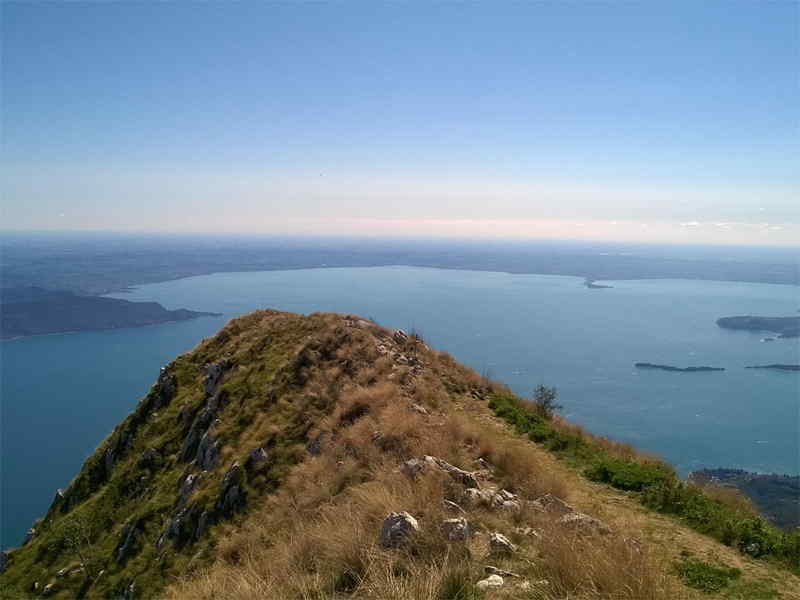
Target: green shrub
(704,576)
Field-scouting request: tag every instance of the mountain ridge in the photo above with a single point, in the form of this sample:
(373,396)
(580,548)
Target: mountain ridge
(287,441)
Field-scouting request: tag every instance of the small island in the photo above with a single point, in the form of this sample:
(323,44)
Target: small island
(776,367)
(590,284)
(785,327)
(646,365)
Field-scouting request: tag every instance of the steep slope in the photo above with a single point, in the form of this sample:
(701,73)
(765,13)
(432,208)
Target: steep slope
(325,456)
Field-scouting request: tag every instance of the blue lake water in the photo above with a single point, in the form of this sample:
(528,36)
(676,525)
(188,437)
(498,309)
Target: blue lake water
(62,394)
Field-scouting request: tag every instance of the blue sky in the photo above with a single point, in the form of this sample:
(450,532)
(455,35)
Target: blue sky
(631,120)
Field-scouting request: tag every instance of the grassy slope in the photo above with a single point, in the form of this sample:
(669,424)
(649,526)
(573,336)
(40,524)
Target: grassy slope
(310,523)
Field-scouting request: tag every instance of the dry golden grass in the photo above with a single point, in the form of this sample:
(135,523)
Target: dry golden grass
(317,537)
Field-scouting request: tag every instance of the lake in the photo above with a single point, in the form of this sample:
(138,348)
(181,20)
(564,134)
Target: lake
(62,394)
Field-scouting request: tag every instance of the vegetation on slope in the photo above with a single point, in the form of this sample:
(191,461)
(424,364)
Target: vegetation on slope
(720,513)
(265,462)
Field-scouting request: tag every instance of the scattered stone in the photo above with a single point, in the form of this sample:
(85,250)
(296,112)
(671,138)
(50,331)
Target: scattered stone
(412,467)
(473,496)
(528,532)
(464,477)
(584,523)
(495,571)
(62,572)
(634,544)
(500,544)
(316,445)
(258,455)
(456,530)
(452,506)
(49,589)
(752,549)
(149,458)
(29,535)
(420,409)
(482,464)
(400,336)
(492,581)
(397,529)
(552,504)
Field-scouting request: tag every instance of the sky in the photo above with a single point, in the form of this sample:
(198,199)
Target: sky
(640,121)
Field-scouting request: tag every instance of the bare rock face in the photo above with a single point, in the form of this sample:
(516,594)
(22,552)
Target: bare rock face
(500,544)
(552,504)
(3,561)
(207,450)
(584,523)
(456,530)
(127,539)
(214,373)
(492,581)
(164,389)
(231,495)
(188,485)
(464,477)
(397,529)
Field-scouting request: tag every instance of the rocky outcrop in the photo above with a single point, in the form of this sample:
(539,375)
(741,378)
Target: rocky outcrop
(398,528)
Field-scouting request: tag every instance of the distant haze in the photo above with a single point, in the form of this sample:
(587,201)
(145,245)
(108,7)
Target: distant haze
(666,122)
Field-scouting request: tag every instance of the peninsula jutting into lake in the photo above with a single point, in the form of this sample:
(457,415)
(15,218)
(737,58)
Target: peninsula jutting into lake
(645,365)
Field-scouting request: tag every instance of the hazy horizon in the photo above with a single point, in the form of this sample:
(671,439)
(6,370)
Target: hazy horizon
(621,122)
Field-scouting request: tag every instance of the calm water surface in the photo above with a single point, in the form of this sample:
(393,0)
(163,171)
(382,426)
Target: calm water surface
(62,394)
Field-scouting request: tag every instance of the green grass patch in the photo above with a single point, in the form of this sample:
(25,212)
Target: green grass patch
(704,576)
